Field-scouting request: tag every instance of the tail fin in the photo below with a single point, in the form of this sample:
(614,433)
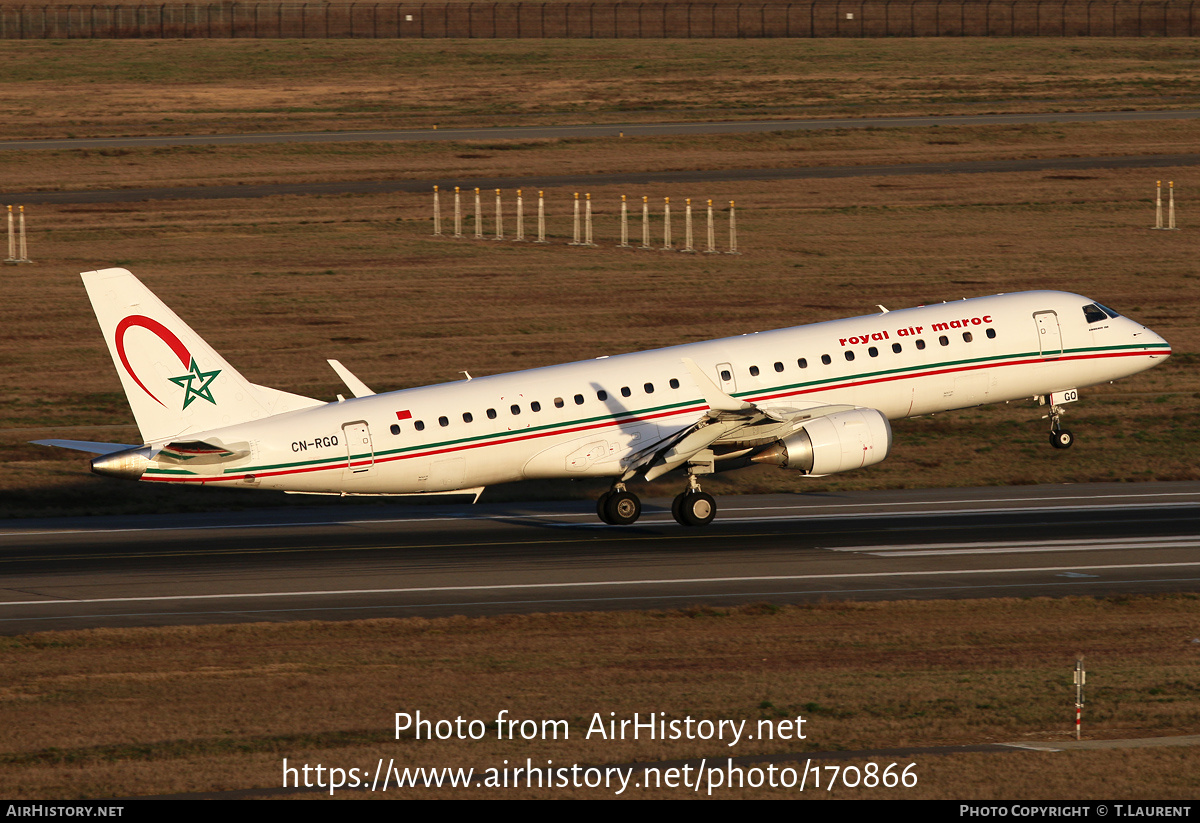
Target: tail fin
(174,381)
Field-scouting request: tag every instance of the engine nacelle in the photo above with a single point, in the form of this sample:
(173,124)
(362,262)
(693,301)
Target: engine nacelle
(833,443)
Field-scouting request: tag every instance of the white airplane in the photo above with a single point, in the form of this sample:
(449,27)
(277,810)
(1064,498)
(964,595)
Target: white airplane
(812,399)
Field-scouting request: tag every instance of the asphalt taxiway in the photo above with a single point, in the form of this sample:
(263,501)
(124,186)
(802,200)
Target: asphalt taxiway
(578,130)
(392,186)
(334,563)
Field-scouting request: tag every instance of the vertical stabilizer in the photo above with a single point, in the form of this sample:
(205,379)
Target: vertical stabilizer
(175,382)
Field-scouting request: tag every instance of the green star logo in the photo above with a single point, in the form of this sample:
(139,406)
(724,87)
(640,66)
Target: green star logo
(195,384)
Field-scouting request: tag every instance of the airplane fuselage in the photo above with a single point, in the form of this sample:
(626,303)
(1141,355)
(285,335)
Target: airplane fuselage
(587,419)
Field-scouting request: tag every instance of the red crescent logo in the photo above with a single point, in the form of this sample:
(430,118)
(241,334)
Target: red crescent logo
(163,333)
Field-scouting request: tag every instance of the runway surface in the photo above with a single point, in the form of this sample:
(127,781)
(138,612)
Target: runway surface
(341,187)
(593,130)
(333,563)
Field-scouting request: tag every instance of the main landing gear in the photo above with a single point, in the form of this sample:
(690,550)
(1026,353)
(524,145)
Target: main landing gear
(620,507)
(694,507)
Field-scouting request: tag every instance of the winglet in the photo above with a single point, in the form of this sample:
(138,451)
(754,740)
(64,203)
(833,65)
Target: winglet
(716,399)
(357,387)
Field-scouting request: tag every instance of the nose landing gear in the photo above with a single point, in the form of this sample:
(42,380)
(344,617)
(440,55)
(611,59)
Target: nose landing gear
(1060,438)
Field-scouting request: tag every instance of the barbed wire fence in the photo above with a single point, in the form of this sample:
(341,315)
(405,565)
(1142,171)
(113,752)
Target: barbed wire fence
(605,20)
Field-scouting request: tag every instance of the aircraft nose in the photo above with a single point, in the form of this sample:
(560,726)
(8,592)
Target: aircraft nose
(1153,340)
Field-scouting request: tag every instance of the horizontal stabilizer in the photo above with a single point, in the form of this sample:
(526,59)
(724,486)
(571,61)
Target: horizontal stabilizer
(87,446)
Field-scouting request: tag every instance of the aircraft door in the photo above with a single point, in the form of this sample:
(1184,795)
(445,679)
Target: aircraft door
(359,449)
(1049,333)
(725,378)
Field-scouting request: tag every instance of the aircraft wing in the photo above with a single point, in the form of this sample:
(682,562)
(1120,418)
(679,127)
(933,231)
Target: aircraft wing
(728,420)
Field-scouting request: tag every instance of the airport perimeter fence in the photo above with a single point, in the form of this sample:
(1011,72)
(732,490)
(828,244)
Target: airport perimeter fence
(597,20)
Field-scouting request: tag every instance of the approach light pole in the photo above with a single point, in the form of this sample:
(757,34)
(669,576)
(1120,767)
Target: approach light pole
(1080,678)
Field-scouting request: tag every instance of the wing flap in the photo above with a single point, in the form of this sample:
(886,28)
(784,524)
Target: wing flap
(198,451)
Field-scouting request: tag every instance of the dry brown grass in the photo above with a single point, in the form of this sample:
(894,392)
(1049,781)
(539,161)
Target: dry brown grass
(86,88)
(140,711)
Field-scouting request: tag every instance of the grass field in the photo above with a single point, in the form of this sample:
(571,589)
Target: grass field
(106,712)
(279,284)
(85,88)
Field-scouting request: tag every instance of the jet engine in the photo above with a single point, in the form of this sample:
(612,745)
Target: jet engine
(833,443)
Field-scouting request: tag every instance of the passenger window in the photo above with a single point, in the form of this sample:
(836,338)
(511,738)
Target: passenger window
(579,400)
(920,344)
(649,387)
(849,355)
(802,363)
(754,371)
(674,383)
(897,348)
(491,413)
(725,375)
(515,409)
(874,352)
(443,422)
(395,429)
(625,392)
(991,333)
(535,406)
(467,417)
(944,340)
(602,395)
(826,359)
(778,367)
(558,403)
(419,425)
(967,337)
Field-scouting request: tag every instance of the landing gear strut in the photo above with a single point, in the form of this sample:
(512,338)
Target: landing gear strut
(694,507)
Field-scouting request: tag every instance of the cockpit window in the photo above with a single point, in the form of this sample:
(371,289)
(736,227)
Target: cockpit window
(1108,311)
(1092,313)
